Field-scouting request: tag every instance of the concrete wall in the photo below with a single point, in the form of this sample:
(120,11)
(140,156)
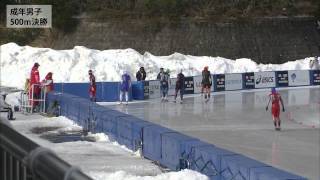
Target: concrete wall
(272,40)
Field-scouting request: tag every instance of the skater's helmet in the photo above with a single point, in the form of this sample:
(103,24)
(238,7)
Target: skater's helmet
(273,90)
(90,71)
(36,64)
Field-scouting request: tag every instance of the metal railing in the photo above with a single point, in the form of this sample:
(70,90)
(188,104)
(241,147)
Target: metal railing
(28,100)
(22,159)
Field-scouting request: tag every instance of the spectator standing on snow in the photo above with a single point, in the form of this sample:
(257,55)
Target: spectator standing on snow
(125,87)
(141,74)
(92,87)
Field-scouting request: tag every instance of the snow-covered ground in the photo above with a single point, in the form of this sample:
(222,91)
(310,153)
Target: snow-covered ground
(72,65)
(103,159)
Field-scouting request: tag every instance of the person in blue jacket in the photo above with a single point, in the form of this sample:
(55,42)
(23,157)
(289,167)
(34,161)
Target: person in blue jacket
(125,86)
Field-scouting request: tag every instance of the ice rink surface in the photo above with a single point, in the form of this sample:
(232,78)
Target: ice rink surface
(238,121)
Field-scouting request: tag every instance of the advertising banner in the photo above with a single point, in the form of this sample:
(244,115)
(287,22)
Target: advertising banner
(154,89)
(264,79)
(188,85)
(172,86)
(299,78)
(282,79)
(197,84)
(248,80)
(315,77)
(233,81)
(146,89)
(219,82)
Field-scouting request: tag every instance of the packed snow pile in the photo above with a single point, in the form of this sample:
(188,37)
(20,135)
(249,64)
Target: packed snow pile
(122,175)
(73,65)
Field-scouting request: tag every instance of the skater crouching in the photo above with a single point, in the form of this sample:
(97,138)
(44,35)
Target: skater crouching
(275,98)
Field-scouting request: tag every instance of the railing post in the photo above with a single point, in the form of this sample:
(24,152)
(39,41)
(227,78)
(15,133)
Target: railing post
(3,164)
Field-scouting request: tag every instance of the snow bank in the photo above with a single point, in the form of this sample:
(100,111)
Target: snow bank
(73,65)
(122,175)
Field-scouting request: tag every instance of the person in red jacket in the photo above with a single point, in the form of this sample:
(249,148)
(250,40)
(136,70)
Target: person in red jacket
(276,99)
(34,89)
(48,82)
(92,87)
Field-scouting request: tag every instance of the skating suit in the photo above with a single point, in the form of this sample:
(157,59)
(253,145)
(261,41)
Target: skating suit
(93,87)
(125,83)
(275,99)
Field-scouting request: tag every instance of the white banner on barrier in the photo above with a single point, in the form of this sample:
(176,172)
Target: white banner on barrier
(172,86)
(233,81)
(154,89)
(197,84)
(265,79)
(298,78)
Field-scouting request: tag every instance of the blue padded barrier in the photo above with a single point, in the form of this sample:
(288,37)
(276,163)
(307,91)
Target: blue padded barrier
(138,90)
(110,91)
(65,103)
(74,110)
(152,141)
(78,89)
(189,153)
(239,167)
(138,129)
(173,147)
(267,173)
(124,131)
(130,131)
(208,160)
(51,97)
(96,117)
(110,122)
(106,91)
(84,112)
